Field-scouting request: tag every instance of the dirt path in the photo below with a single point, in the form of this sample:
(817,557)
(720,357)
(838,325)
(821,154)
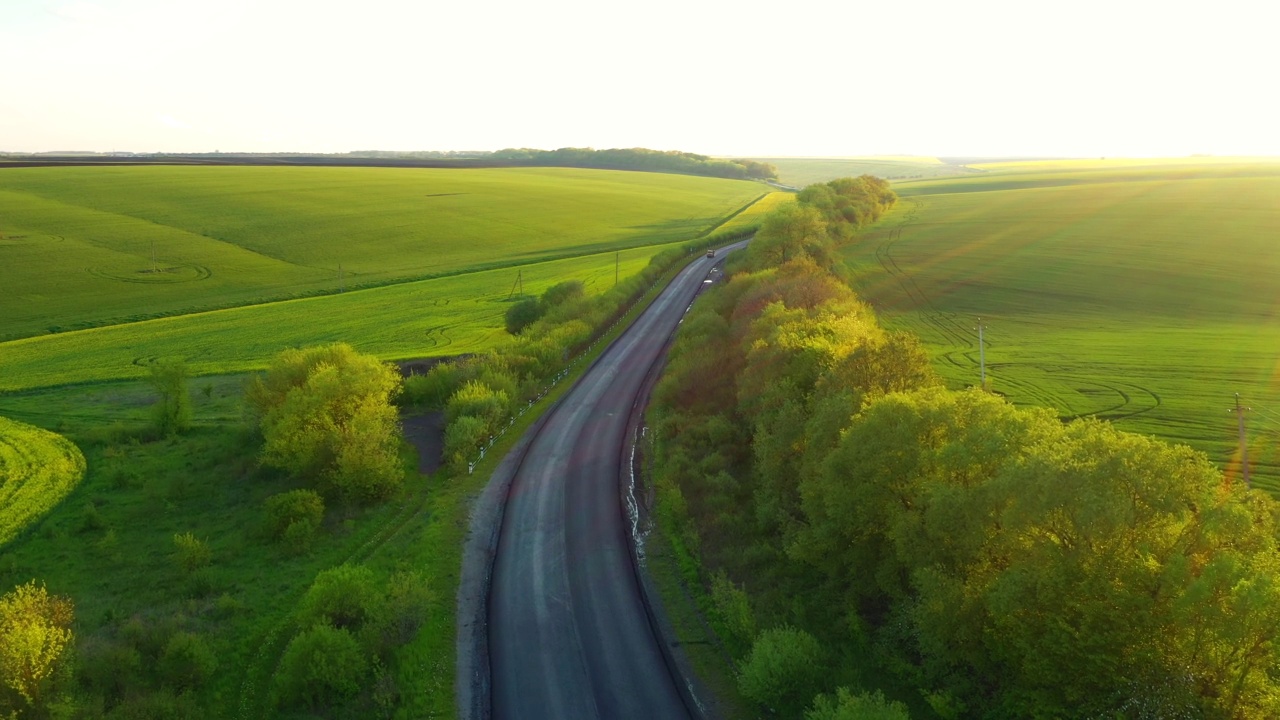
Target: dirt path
(425,433)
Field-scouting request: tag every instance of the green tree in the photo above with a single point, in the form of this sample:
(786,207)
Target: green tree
(346,597)
(844,705)
(172,411)
(787,233)
(187,661)
(321,665)
(35,639)
(523,314)
(326,414)
(294,517)
(783,671)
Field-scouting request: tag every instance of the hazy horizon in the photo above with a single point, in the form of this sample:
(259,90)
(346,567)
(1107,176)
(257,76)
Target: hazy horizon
(986,79)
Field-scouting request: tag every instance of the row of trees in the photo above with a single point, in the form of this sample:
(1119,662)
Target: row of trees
(672,161)
(480,394)
(995,560)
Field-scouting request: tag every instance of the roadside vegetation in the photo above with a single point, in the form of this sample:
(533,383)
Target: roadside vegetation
(854,528)
(1141,292)
(484,394)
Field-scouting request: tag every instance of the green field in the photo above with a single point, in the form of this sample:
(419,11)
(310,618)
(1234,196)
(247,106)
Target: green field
(37,470)
(1144,293)
(751,216)
(89,246)
(446,316)
(801,171)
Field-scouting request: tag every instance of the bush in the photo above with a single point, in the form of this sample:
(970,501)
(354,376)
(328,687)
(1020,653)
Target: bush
(35,637)
(432,389)
(346,597)
(326,413)
(522,315)
(561,293)
(294,517)
(321,665)
(187,661)
(191,553)
(462,438)
(408,597)
(783,671)
(478,400)
(863,706)
(172,412)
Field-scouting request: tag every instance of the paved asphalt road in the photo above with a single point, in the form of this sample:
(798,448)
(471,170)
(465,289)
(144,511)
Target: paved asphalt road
(568,634)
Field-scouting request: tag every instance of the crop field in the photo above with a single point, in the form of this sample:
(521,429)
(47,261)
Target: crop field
(445,316)
(799,172)
(1143,295)
(89,246)
(38,469)
(751,216)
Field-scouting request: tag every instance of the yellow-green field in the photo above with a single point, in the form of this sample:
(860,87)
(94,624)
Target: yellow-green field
(751,216)
(1146,294)
(38,469)
(445,316)
(90,246)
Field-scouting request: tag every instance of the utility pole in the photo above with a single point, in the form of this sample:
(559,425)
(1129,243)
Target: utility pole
(153,257)
(341,285)
(982,355)
(617,259)
(519,282)
(1244,446)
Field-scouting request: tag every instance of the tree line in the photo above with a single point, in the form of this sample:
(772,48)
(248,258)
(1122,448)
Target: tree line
(856,521)
(672,161)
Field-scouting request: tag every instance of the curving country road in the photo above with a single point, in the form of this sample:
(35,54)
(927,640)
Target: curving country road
(568,632)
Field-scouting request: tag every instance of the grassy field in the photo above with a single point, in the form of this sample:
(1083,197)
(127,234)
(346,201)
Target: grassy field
(38,469)
(752,215)
(88,246)
(446,316)
(806,171)
(1142,294)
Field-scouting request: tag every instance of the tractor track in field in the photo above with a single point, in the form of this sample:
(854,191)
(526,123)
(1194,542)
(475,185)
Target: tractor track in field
(953,329)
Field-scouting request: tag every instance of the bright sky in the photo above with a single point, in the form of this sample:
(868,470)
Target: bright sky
(851,77)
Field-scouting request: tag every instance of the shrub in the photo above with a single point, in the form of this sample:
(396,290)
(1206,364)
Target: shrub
(35,635)
(294,517)
(783,671)
(408,597)
(522,315)
(187,661)
(478,400)
(346,597)
(172,412)
(322,664)
(462,438)
(432,389)
(191,553)
(561,293)
(326,413)
(863,706)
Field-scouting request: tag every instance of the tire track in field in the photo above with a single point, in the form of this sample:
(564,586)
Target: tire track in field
(1133,399)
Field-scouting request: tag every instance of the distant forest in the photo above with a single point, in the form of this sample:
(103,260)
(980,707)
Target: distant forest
(669,161)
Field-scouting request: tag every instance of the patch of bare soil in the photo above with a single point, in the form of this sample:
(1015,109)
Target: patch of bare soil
(425,432)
